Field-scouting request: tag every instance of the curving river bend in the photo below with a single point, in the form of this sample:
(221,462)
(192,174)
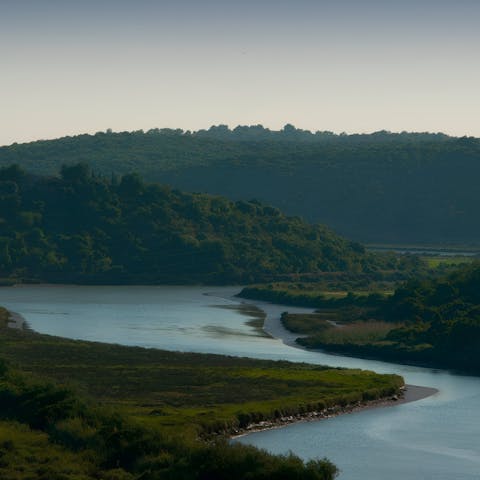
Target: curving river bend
(434,438)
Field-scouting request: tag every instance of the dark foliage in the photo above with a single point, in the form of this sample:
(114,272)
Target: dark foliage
(82,228)
(286,297)
(440,323)
(442,318)
(381,187)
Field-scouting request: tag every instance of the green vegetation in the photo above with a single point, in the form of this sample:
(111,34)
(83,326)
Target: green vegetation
(308,323)
(382,187)
(81,228)
(433,322)
(314,296)
(152,414)
(323,330)
(443,318)
(445,263)
(357,332)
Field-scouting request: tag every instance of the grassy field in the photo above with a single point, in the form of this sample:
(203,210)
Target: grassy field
(178,395)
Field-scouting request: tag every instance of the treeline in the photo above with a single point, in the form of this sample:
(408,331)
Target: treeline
(442,318)
(81,227)
(307,299)
(380,187)
(440,323)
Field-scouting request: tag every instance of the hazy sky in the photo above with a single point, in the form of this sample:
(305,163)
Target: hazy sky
(76,66)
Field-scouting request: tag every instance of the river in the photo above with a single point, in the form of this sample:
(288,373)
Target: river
(434,438)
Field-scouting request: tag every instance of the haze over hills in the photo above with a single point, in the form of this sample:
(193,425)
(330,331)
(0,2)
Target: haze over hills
(381,187)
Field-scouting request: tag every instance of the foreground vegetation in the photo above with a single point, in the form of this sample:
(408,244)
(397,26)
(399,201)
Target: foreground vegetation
(432,321)
(151,414)
(79,228)
(380,187)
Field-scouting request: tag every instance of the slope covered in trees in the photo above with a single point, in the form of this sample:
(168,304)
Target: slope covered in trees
(82,228)
(442,318)
(381,187)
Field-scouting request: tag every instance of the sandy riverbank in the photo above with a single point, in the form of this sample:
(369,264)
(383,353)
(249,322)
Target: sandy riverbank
(272,325)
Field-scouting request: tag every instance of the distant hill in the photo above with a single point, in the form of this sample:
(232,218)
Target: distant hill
(81,228)
(381,187)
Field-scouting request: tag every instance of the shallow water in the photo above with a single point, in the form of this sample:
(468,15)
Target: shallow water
(435,438)
(174,318)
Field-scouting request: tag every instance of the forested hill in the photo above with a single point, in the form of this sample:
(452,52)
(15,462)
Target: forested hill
(381,187)
(83,228)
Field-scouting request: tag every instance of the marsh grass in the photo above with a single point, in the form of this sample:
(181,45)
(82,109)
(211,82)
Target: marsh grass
(322,327)
(357,332)
(172,388)
(76,410)
(309,323)
(322,295)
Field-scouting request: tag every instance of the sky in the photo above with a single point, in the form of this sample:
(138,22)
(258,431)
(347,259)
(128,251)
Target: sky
(69,67)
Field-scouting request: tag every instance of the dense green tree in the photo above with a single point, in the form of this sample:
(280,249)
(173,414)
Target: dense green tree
(84,228)
(440,321)
(380,187)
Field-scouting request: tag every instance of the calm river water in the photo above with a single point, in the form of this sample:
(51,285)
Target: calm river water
(435,438)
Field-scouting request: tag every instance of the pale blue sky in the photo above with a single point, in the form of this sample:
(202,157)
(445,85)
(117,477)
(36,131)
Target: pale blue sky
(70,67)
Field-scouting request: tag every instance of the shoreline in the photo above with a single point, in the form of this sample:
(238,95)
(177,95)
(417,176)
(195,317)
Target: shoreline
(17,321)
(409,393)
(273,328)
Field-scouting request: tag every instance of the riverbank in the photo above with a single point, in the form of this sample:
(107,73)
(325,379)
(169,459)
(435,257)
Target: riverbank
(269,314)
(273,327)
(202,393)
(16,321)
(48,430)
(376,444)
(368,341)
(410,393)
